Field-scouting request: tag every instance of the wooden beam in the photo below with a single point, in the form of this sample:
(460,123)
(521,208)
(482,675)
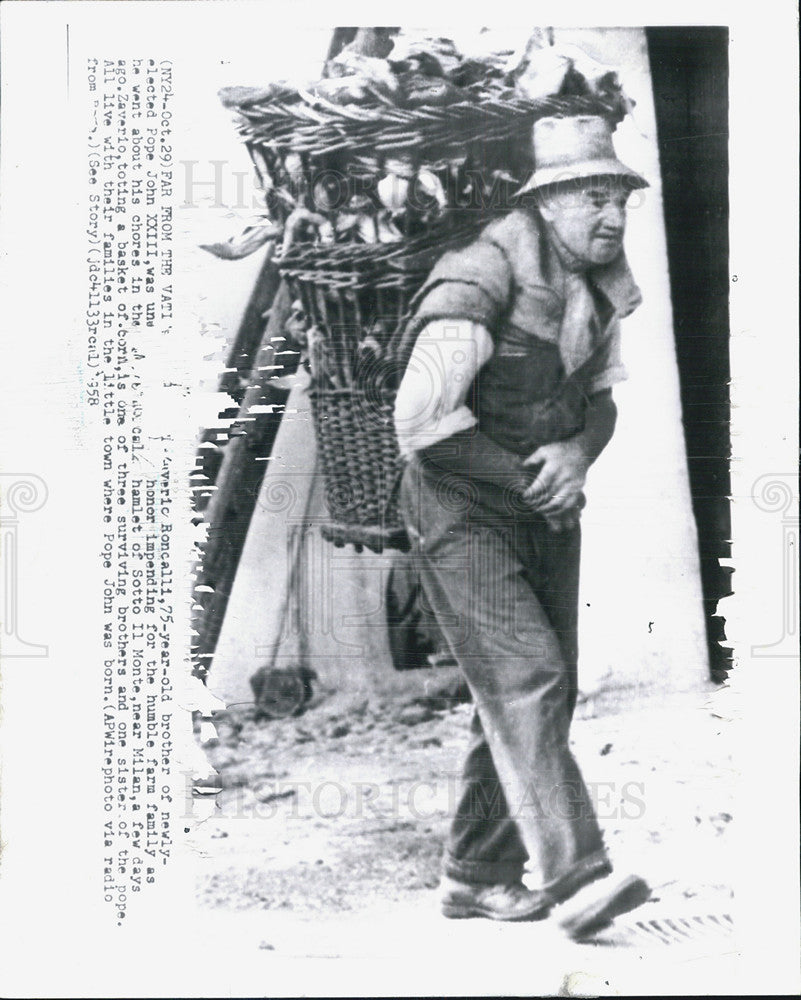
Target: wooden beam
(231,504)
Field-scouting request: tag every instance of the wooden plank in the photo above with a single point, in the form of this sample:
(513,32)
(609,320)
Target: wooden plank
(231,505)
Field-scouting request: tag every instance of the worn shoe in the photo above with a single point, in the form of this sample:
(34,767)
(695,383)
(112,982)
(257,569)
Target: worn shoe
(495,902)
(595,907)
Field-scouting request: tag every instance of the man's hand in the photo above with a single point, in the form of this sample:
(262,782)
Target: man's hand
(559,484)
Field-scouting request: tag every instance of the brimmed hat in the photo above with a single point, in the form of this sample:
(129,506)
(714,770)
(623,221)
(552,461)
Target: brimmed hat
(568,149)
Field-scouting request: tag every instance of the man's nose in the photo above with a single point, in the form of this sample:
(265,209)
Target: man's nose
(614,217)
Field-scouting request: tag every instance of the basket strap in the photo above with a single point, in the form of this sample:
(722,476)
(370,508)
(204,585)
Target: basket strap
(406,342)
(396,485)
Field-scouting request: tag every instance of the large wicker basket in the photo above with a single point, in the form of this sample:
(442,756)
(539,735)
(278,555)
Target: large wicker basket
(357,294)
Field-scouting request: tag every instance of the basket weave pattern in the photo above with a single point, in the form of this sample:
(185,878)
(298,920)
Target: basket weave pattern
(353,401)
(361,464)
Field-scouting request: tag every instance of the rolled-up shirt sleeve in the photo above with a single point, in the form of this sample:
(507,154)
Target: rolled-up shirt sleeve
(430,404)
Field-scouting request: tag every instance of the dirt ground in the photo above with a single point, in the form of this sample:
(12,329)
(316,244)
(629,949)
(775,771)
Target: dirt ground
(346,806)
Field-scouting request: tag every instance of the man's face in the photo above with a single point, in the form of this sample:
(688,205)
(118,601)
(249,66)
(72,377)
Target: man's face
(588,220)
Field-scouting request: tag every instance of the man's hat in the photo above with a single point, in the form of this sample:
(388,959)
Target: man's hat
(567,149)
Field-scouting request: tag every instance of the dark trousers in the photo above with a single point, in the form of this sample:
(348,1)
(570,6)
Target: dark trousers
(504,590)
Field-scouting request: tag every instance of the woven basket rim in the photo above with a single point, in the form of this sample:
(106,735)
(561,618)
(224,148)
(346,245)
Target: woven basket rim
(311,108)
(317,127)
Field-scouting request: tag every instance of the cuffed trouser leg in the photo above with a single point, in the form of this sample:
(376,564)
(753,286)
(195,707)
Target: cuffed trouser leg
(484,844)
(504,593)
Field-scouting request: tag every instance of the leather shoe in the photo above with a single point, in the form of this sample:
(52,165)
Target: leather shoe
(594,908)
(495,902)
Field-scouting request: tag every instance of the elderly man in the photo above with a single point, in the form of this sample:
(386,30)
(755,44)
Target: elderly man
(505,404)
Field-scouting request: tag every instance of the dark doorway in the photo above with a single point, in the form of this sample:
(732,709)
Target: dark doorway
(689,69)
